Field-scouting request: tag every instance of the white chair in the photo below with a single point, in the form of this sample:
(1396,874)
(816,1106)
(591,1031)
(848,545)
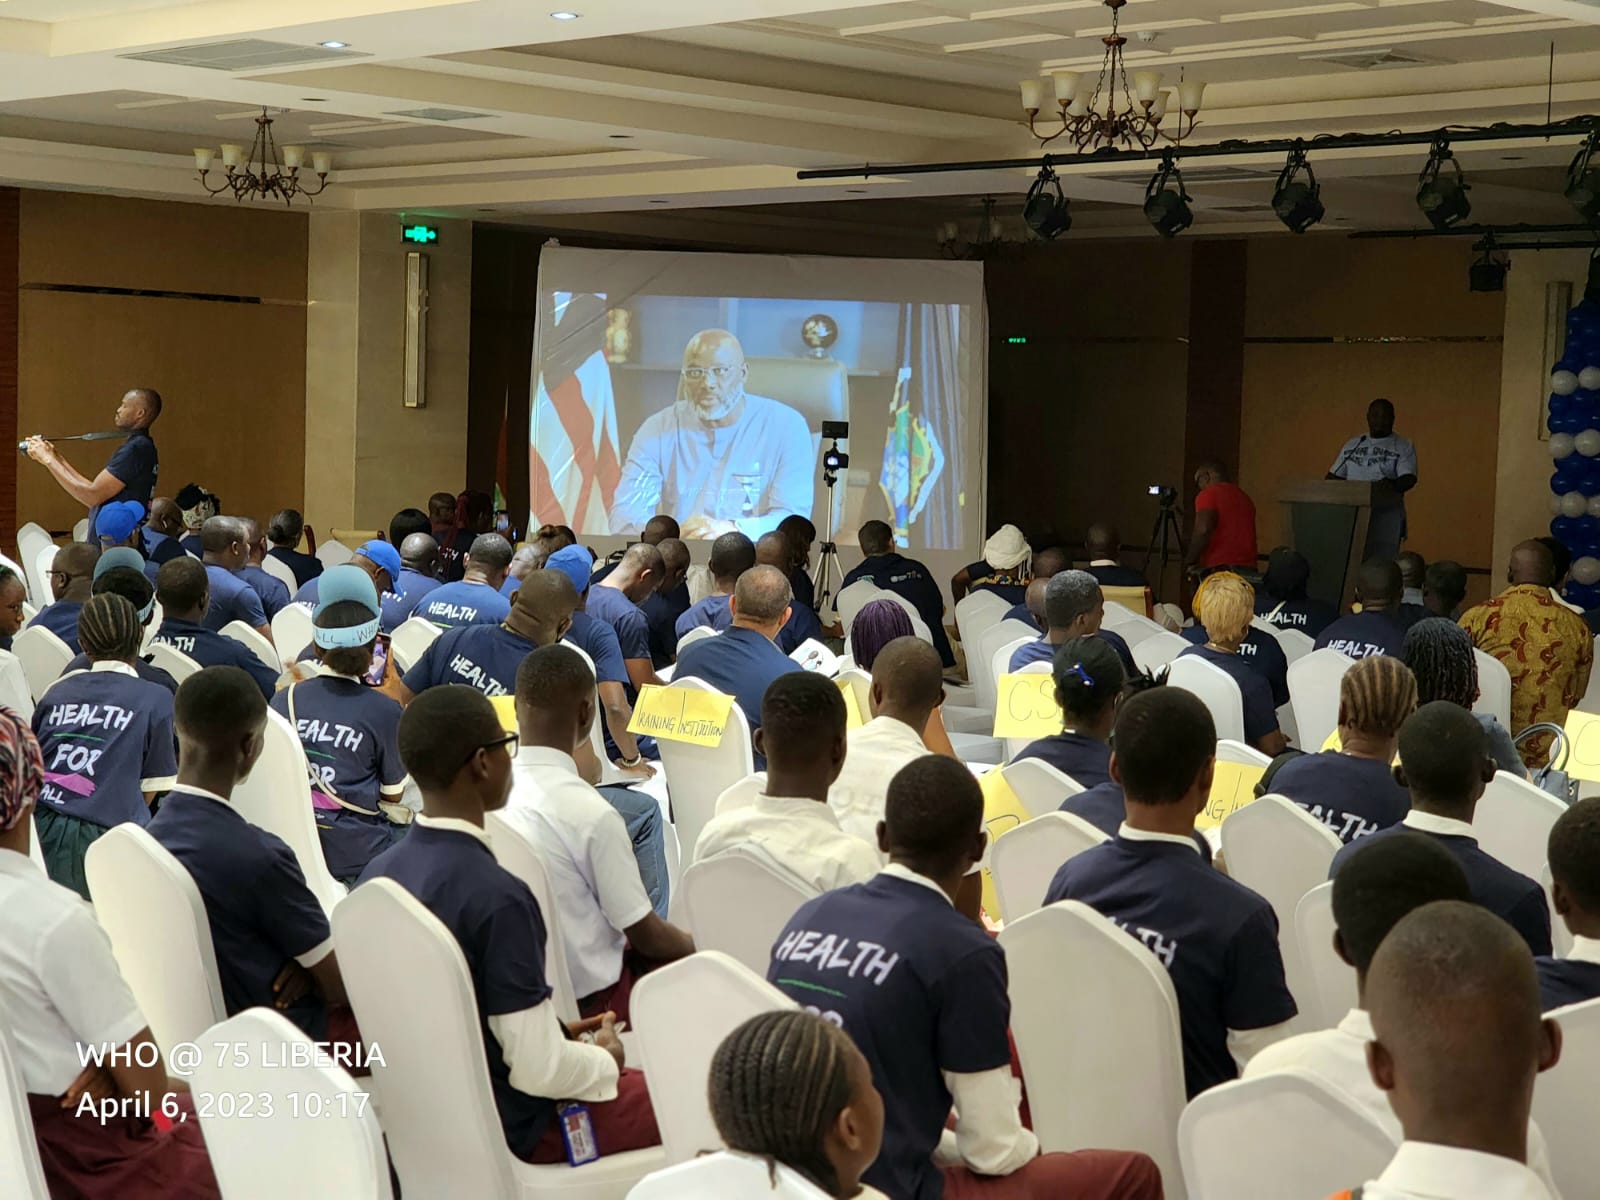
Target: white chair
(517,855)
(742,794)
(152,627)
(700,582)
(21,1172)
(80,530)
(31,539)
(919,627)
(1560,935)
(291,631)
(1330,982)
(860,687)
(1000,660)
(1563,1101)
(43,656)
(1217,690)
(321,1139)
(1229,750)
(981,655)
(1039,786)
(1513,822)
(152,912)
(1158,650)
(853,599)
(975,612)
(280,571)
(410,641)
(258,645)
(694,635)
(697,775)
(1095,1020)
(277,797)
(1283,1136)
(969,750)
(739,904)
(433,1088)
(1024,860)
(1137,631)
(172,660)
(1494,688)
(1314,692)
(725,1176)
(44,559)
(682,1012)
(334,553)
(14,691)
(1296,645)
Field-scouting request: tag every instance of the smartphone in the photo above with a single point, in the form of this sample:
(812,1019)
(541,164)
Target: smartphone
(380,662)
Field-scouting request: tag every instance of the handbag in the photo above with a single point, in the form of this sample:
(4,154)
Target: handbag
(397,814)
(1552,777)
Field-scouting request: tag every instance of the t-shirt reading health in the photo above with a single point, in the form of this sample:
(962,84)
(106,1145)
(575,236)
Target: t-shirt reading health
(464,603)
(484,657)
(1352,796)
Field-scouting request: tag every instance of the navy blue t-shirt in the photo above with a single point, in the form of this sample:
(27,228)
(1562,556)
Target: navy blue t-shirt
(802,626)
(661,612)
(1261,650)
(1042,651)
(497,923)
(211,649)
(193,545)
(463,603)
(259,908)
(485,657)
(134,465)
(1217,939)
(1352,796)
(1104,807)
(273,592)
(919,988)
(106,738)
(61,619)
(616,610)
(1308,616)
(1019,612)
(306,567)
(908,578)
(410,588)
(1564,981)
(712,611)
(801,587)
(981,577)
(232,599)
(158,547)
(1086,760)
(1364,634)
(146,670)
(739,662)
(1260,713)
(1508,894)
(1117,576)
(599,641)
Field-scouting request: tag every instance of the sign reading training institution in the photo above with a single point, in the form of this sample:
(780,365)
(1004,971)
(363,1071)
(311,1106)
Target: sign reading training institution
(680,714)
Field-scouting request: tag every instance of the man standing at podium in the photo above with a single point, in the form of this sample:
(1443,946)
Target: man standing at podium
(1383,457)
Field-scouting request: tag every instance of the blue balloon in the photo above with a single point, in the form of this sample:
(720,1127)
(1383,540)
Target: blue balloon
(1586,596)
(1570,423)
(1563,529)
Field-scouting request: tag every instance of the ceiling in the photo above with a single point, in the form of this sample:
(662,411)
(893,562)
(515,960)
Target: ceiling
(689,121)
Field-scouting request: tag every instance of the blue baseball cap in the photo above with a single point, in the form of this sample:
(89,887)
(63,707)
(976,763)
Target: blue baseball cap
(575,563)
(116,522)
(382,554)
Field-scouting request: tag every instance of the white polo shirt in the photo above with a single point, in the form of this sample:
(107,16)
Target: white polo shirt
(1424,1171)
(59,984)
(799,838)
(875,755)
(584,845)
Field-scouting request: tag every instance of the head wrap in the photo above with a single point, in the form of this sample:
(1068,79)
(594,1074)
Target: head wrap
(21,769)
(1006,548)
(335,586)
(575,563)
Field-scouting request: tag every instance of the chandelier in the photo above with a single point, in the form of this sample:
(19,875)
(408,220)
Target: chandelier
(1126,126)
(259,175)
(987,241)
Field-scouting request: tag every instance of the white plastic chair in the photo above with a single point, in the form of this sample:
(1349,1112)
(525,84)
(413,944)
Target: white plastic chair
(31,540)
(1296,645)
(1230,750)
(1494,688)
(152,627)
(1000,659)
(80,530)
(697,775)
(291,631)
(321,1140)
(1095,1020)
(853,599)
(698,633)
(1024,860)
(981,655)
(14,691)
(277,797)
(410,641)
(682,1012)
(258,645)
(280,571)
(919,627)
(861,687)
(172,660)
(975,612)
(1314,693)
(1563,1101)
(433,1091)
(21,1172)
(1157,650)
(726,1176)
(738,904)
(1513,821)
(43,656)
(334,553)
(151,910)
(742,794)
(1330,982)
(1216,689)
(1282,1136)
(44,559)
(1039,786)
(517,855)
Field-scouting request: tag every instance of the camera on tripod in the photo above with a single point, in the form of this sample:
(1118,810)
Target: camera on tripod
(1167,495)
(834,459)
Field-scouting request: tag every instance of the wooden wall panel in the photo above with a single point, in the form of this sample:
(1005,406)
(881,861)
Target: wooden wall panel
(10,204)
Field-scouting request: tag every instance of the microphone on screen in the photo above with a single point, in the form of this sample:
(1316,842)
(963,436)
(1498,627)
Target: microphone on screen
(103,435)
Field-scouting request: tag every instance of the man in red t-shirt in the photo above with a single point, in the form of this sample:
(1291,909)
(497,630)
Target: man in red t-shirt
(1224,533)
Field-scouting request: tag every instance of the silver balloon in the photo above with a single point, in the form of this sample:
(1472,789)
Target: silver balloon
(1555,505)
(1589,378)
(1561,445)
(1586,570)
(1594,505)
(1574,504)
(1563,383)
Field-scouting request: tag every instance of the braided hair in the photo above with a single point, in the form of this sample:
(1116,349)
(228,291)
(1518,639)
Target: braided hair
(1377,695)
(1439,653)
(21,770)
(778,1083)
(109,628)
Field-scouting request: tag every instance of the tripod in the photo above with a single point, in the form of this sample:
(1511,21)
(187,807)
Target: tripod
(828,568)
(1165,531)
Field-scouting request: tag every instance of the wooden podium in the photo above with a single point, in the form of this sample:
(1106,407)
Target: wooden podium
(1327,520)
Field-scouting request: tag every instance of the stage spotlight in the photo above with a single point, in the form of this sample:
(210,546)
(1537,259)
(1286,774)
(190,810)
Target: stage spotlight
(1443,198)
(1488,274)
(1298,202)
(1048,215)
(1166,201)
(1583,184)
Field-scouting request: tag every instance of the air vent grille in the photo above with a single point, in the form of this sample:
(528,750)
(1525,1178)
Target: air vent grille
(241,54)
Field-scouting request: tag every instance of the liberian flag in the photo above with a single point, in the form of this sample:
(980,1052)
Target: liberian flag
(574,465)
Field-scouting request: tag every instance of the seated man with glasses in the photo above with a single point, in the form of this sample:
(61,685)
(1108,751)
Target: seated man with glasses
(71,583)
(720,459)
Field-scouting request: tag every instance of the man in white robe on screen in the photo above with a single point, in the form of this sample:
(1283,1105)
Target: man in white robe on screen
(720,460)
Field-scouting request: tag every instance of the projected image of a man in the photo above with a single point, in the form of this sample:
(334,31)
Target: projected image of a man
(720,459)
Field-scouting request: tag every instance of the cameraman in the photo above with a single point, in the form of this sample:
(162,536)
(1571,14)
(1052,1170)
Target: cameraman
(1224,531)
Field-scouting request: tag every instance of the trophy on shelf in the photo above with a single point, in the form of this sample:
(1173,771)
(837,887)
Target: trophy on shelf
(819,332)
(619,335)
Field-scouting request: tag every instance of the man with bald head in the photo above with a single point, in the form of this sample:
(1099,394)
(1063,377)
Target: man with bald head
(274,593)
(130,473)
(71,583)
(419,560)
(1047,564)
(732,555)
(668,602)
(616,599)
(162,529)
(720,459)
(1104,545)
(232,599)
(1377,628)
(885,567)
(1458,1044)
(775,549)
(1547,648)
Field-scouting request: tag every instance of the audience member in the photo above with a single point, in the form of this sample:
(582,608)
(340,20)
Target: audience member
(791,827)
(1560,567)
(1003,569)
(1413,574)
(183,589)
(775,550)
(232,598)
(441,515)
(474,516)
(921,989)
(802,535)
(1281,599)
(732,555)
(1444,761)
(71,583)
(118,576)
(271,937)
(419,560)
(1377,628)
(407,522)
(1352,790)
(1260,650)
(348,729)
(118,525)
(1547,648)
(197,506)
(273,592)
(877,624)
(668,602)
(13,595)
(161,531)
(284,532)
(527,558)
(1047,564)
(1575,893)
(1226,605)
(1439,653)
(1217,939)
(106,738)
(1224,533)
(616,599)
(1088,683)
(608,924)
(1074,607)
(1104,546)
(62,991)
(377,558)
(907,689)
(474,598)
(1444,589)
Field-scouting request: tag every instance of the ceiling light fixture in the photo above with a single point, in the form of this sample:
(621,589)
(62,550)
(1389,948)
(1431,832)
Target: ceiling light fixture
(1298,202)
(1047,215)
(565,16)
(1166,200)
(988,240)
(258,175)
(1443,198)
(334,45)
(1583,181)
(1136,122)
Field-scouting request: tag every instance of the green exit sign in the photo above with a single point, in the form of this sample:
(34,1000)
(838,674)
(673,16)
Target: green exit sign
(420,234)
(1016,341)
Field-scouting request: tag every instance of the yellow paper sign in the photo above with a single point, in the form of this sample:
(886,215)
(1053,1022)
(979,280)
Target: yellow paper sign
(678,714)
(852,710)
(505,707)
(1334,742)
(1232,787)
(1027,707)
(1583,736)
(1002,812)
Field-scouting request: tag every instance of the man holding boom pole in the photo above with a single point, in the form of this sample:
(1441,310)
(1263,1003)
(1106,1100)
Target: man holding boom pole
(131,473)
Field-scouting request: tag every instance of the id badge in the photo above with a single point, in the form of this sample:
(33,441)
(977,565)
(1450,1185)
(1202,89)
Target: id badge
(577,1133)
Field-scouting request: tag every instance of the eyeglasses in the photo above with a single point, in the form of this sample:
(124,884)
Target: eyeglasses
(510,742)
(698,374)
